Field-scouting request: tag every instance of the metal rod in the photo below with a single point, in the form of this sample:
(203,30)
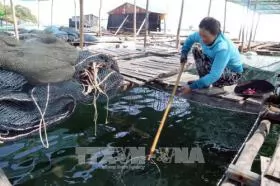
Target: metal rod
(179,25)
(209,8)
(252,25)
(121,25)
(134,21)
(99,19)
(75,15)
(52,13)
(14,19)
(147,24)
(225,16)
(243,30)
(81,24)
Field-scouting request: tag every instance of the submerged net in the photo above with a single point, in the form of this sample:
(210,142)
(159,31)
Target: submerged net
(43,78)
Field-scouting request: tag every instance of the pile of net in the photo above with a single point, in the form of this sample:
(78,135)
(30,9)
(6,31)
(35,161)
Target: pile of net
(41,81)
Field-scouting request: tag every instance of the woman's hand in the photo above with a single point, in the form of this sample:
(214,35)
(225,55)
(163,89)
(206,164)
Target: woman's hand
(185,90)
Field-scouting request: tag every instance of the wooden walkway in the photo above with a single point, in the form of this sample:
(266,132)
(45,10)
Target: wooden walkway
(158,68)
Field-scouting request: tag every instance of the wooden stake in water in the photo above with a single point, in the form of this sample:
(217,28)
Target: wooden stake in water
(155,142)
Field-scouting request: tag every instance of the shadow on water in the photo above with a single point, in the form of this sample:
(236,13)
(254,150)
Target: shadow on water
(133,121)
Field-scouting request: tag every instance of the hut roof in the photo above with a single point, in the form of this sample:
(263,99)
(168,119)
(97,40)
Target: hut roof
(128,8)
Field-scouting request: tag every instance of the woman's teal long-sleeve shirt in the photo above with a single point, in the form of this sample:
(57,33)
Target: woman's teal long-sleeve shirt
(222,52)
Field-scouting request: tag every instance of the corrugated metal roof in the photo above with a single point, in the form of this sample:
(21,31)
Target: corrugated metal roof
(261,6)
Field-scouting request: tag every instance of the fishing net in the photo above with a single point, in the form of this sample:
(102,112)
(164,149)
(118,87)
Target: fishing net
(42,79)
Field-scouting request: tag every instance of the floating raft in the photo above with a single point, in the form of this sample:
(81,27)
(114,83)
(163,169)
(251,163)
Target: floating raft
(239,171)
(158,68)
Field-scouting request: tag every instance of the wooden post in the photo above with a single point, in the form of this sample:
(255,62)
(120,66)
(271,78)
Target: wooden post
(75,14)
(165,24)
(243,29)
(14,19)
(225,16)
(3,179)
(209,8)
(99,19)
(52,13)
(179,25)
(81,24)
(273,170)
(38,12)
(121,25)
(257,25)
(147,24)
(134,21)
(252,25)
(142,24)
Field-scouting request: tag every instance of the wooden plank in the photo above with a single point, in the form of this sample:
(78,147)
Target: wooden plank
(244,176)
(134,80)
(4,181)
(253,146)
(273,170)
(264,181)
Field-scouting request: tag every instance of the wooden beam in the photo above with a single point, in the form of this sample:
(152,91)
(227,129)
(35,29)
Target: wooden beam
(99,18)
(253,145)
(243,176)
(121,25)
(134,21)
(14,19)
(265,181)
(179,25)
(81,24)
(138,32)
(3,179)
(147,24)
(273,170)
(225,16)
(209,8)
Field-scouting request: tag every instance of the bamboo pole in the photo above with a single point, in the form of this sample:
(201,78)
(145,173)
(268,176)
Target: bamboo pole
(179,25)
(257,25)
(75,14)
(52,13)
(166,112)
(209,8)
(225,16)
(121,25)
(14,19)
(147,24)
(81,24)
(134,21)
(99,18)
(252,25)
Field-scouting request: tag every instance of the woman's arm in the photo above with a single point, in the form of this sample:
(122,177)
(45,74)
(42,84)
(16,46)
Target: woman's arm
(193,38)
(220,62)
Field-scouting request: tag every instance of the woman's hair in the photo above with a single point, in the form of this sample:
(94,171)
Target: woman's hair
(210,24)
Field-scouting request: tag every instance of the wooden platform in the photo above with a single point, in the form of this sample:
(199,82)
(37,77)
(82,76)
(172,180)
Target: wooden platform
(215,97)
(158,67)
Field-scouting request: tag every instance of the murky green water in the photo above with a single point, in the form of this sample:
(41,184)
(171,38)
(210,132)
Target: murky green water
(133,121)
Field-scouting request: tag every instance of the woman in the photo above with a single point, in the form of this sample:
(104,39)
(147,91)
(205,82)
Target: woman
(218,63)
